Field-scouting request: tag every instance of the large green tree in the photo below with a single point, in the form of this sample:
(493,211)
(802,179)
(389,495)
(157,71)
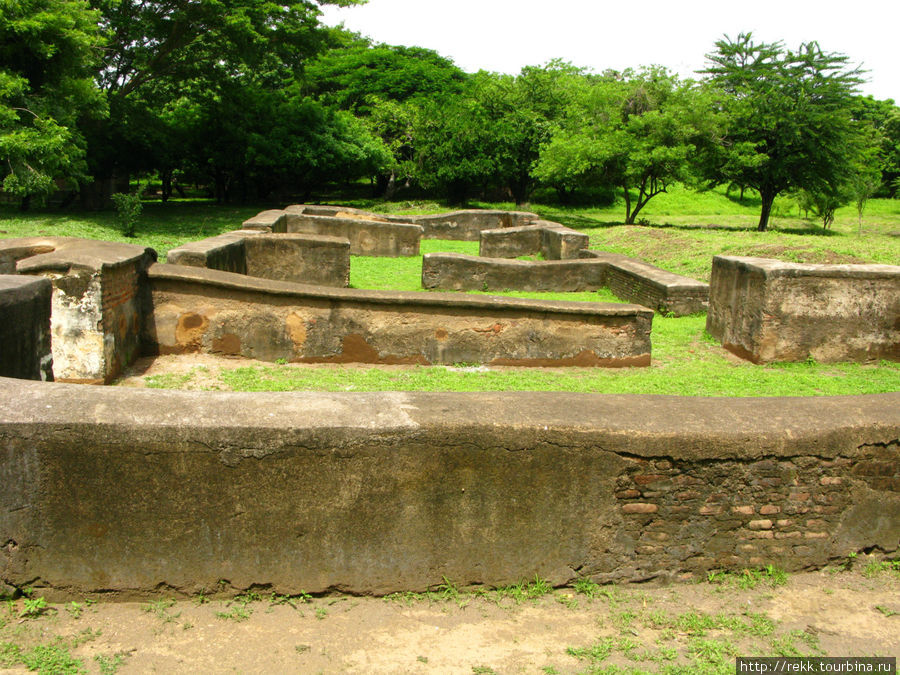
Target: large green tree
(168,63)
(638,131)
(789,122)
(48,53)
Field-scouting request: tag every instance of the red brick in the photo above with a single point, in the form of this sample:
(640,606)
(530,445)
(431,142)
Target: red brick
(799,496)
(815,535)
(687,495)
(760,524)
(745,510)
(640,508)
(830,480)
(628,494)
(710,510)
(769,510)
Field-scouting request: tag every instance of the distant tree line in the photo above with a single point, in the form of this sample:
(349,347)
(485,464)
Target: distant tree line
(256,100)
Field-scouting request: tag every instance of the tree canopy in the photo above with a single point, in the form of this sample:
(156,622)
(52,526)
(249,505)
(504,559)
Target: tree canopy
(48,53)
(788,120)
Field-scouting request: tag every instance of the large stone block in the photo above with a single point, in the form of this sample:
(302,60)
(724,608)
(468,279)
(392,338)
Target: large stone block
(97,306)
(304,258)
(210,311)
(767,310)
(25,350)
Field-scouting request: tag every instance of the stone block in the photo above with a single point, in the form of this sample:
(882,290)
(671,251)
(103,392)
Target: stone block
(767,310)
(25,350)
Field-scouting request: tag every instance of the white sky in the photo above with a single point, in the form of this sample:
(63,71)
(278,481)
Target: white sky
(504,35)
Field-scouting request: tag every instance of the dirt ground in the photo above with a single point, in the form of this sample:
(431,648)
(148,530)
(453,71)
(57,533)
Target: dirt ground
(695,627)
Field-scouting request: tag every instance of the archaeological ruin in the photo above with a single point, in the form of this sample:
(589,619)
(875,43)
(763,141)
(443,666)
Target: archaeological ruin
(119,493)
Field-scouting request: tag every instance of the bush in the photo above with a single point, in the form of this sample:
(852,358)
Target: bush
(128,210)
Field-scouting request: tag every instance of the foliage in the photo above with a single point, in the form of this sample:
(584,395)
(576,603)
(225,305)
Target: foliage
(48,49)
(357,76)
(128,210)
(637,131)
(788,120)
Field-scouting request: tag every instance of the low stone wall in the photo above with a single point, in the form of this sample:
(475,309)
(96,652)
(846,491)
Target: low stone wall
(122,493)
(467,225)
(204,310)
(97,308)
(636,281)
(463,225)
(458,272)
(303,258)
(367,235)
(25,350)
(631,280)
(767,310)
(551,240)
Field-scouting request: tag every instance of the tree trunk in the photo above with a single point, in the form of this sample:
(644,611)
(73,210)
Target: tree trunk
(768,197)
(629,216)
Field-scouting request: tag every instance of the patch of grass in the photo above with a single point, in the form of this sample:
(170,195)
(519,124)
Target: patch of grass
(160,609)
(887,611)
(596,653)
(110,664)
(9,654)
(877,568)
(523,591)
(236,613)
(75,609)
(54,659)
(749,579)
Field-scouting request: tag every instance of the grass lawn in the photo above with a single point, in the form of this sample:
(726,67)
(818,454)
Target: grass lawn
(686,229)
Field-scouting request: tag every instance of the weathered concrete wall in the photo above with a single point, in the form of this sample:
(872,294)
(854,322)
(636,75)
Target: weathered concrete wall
(367,237)
(97,308)
(767,310)
(552,240)
(224,252)
(25,350)
(510,243)
(120,493)
(636,281)
(457,272)
(204,310)
(459,225)
(631,280)
(467,225)
(304,258)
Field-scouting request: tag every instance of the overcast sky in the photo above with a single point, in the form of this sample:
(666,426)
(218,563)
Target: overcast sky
(504,35)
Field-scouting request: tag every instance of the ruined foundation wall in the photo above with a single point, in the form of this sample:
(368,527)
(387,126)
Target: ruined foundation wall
(367,237)
(210,311)
(767,310)
(457,272)
(25,350)
(121,493)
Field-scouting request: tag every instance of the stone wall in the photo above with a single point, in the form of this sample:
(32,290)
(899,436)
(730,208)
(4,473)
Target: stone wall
(367,236)
(467,225)
(767,310)
(458,272)
(120,493)
(204,310)
(632,280)
(97,306)
(551,240)
(636,281)
(303,258)
(25,350)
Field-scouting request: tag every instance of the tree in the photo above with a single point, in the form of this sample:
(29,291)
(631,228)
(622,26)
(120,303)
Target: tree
(160,55)
(788,119)
(638,131)
(48,50)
